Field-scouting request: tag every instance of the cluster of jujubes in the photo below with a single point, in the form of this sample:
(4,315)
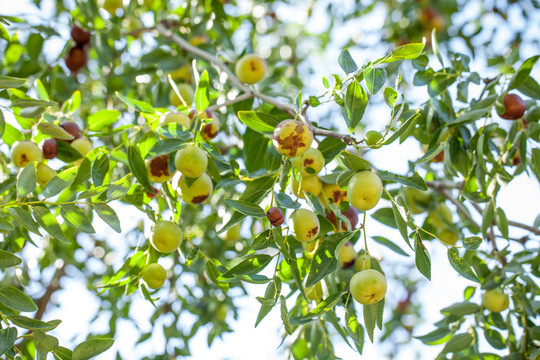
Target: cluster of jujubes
(77,56)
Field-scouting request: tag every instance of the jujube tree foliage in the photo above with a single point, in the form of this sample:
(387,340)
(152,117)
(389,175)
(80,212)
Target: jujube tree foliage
(194,118)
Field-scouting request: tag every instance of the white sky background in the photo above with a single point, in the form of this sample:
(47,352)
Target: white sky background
(519,200)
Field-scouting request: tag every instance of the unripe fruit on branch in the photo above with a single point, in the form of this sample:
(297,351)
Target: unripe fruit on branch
(158,169)
(310,163)
(82,145)
(24,152)
(166,237)
(514,107)
(310,184)
(275,215)
(76,59)
(441,218)
(49,148)
(79,35)
(187,93)
(191,161)
(368,286)
(305,225)
(198,190)
(347,255)
(334,193)
(233,233)
(292,138)
(362,262)
(372,137)
(448,237)
(210,129)
(154,276)
(72,129)
(177,117)
(251,69)
(364,190)
(44,174)
(495,300)
(112,5)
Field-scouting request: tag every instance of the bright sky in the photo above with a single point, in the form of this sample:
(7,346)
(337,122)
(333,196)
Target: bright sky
(78,306)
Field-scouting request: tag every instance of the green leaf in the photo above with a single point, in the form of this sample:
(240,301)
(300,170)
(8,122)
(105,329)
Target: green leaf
(389,244)
(285,201)
(285,315)
(63,353)
(399,217)
(390,96)
(472,242)
(435,46)
(214,273)
(7,259)
(355,330)
(422,258)
(24,103)
(137,105)
(462,267)
(346,62)
(324,306)
(76,218)
(354,162)
(254,264)
(325,259)
(457,343)
(23,217)
(523,73)
(119,188)
(90,348)
(435,337)
(370,319)
(47,221)
(375,79)
(344,177)
(44,343)
(7,339)
(495,339)
(330,148)
(7,82)
(33,324)
(269,294)
(102,119)
(73,104)
(355,104)
(535,164)
(15,299)
(165,146)
(262,241)
(461,309)
(174,131)
(260,122)
(138,168)
(55,131)
(107,214)
(487,217)
(406,52)
(26,181)
(414,181)
(202,93)
(60,182)
(246,208)
(100,167)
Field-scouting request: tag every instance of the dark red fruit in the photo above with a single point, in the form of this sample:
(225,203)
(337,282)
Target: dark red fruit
(49,148)
(514,107)
(79,35)
(76,59)
(275,215)
(439,158)
(153,195)
(72,129)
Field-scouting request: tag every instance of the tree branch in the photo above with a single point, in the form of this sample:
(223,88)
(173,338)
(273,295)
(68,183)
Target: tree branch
(163,28)
(534,230)
(54,285)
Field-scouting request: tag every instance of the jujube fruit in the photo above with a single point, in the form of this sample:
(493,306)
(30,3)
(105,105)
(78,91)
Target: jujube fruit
(82,145)
(154,275)
(333,192)
(314,293)
(79,35)
(364,190)
(24,152)
(514,107)
(76,59)
(310,163)
(49,148)
(72,129)
(166,237)
(372,137)
(347,255)
(158,169)
(275,215)
(177,117)
(198,190)
(191,161)
(362,262)
(495,300)
(305,225)
(368,286)
(44,174)
(187,93)
(251,69)
(448,237)
(292,138)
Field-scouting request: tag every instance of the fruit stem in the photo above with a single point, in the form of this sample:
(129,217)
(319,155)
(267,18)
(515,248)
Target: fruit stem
(364,231)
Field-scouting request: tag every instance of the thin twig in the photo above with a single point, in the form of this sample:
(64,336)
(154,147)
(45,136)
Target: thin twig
(239,98)
(534,230)
(54,285)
